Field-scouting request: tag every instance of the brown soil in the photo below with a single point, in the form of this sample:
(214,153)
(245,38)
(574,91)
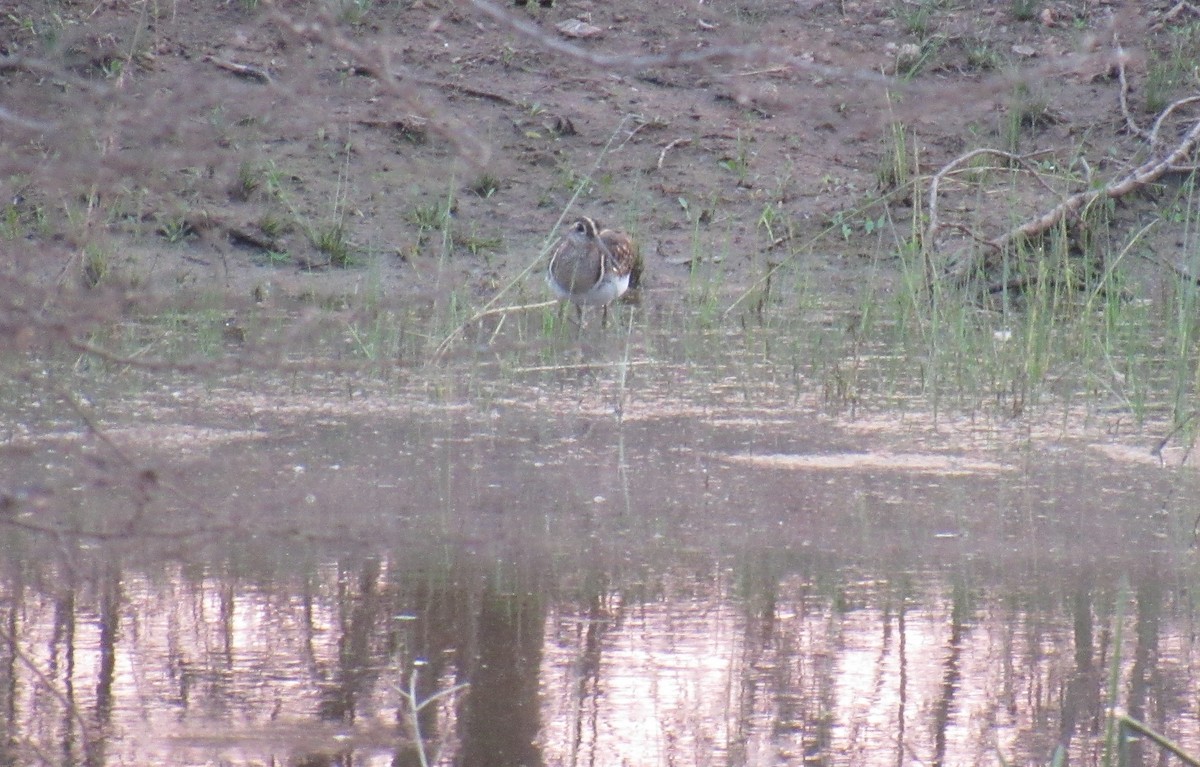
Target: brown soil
(135,152)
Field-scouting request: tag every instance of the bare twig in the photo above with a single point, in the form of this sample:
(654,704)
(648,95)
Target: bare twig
(1170,108)
(39,66)
(248,71)
(1180,271)
(1146,173)
(1130,123)
(1157,450)
(951,167)
(662,156)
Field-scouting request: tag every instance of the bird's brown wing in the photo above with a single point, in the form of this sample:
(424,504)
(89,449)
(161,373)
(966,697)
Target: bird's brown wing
(624,251)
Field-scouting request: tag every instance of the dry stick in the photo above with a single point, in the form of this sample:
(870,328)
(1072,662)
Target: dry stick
(489,307)
(1144,174)
(1158,122)
(248,71)
(582,366)
(1180,271)
(1162,443)
(662,156)
(935,182)
(1130,123)
(634,132)
(208,366)
(515,308)
(25,122)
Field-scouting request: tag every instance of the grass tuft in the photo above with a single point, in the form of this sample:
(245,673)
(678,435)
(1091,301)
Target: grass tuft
(485,186)
(331,240)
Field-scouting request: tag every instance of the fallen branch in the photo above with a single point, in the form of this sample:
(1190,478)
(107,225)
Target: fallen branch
(1140,177)
(935,182)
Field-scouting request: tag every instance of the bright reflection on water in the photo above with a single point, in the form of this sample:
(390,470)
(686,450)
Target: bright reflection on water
(722,575)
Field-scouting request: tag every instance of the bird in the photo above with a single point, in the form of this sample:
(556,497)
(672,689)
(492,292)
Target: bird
(592,266)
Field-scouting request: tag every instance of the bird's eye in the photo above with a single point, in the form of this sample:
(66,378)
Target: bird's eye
(579,227)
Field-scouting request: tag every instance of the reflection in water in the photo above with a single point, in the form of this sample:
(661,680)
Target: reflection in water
(638,593)
(500,718)
(682,666)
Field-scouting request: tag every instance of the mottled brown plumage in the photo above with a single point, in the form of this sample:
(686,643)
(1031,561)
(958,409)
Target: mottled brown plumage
(591,266)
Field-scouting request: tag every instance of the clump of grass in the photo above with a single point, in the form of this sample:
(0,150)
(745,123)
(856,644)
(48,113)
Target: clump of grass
(272,225)
(982,56)
(485,186)
(433,217)
(916,17)
(571,180)
(476,243)
(111,68)
(175,228)
(248,181)
(1026,109)
(353,12)
(769,220)
(20,218)
(896,164)
(1168,74)
(10,222)
(739,162)
(331,240)
(1024,10)
(97,266)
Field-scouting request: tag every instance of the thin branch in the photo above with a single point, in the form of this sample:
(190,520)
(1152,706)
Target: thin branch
(935,181)
(249,71)
(1158,122)
(1123,97)
(1179,8)
(662,156)
(1145,174)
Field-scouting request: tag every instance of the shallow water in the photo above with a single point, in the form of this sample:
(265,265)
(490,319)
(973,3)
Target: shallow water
(631,553)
